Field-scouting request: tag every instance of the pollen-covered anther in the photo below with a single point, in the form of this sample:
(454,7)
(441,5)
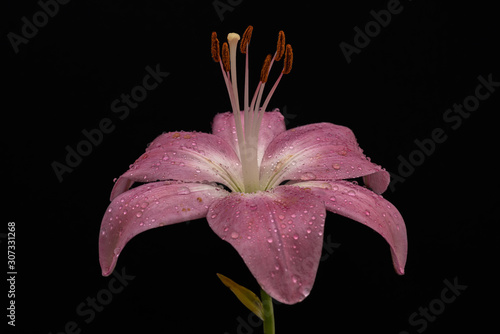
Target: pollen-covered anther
(280,47)
(264,73)
(287,66)
(245,40)
(215,47)
(225,57)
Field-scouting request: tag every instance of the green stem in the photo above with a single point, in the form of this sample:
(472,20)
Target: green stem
(267,302)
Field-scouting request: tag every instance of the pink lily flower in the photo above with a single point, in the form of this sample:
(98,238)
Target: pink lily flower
(262,188)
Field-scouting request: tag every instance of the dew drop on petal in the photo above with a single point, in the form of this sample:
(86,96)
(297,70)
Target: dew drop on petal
(367,212)
(270,240)
(138,214)
(336,166)
(234,235)
(116,251)
(307,176)
(351,193)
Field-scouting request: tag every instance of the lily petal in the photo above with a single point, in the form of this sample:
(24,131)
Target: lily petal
(279,235)
(185,156)
(272,125)
(362,205)
(320,151)
(149,206)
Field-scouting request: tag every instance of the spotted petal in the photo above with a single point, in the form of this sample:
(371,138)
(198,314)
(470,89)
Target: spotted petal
(149,206)
(279,235)
(320,151)
(184,156)
(272,125)
(362,205)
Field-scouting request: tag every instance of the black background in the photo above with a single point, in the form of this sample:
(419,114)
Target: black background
(395,91)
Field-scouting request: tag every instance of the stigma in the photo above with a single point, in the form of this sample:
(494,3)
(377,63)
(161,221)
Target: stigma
(253,111)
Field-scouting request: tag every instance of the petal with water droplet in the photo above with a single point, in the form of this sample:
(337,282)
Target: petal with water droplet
(364,206)
(271,242)
(174,203)
(325,150)
(210,159)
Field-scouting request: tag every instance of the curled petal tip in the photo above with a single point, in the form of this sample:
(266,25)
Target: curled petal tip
(401,271)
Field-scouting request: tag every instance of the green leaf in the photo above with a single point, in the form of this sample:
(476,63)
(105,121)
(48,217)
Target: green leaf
(247,297)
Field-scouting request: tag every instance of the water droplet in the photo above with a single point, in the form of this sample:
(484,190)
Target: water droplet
(116,251)
(294,279)
(307,176)
(351,193)
(213,216)
(308,231)
(270,240)
(367,212)
(144,205)
(235,235)
(125,212)
(336,166)
(253,206)
(296,236)
(138,214)
(281,217)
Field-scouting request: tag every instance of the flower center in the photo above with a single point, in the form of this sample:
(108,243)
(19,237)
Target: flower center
(248,126)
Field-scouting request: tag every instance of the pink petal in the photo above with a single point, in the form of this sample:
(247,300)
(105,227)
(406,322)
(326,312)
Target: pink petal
(148,206)
(321,151)
(184,156)
(360,204)
(279,235)
(272,124)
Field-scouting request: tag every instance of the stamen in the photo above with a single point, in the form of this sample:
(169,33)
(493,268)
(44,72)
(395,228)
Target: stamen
(245,40)
(248,136)
(280,48)
(225,57)
(215,47)
(287,67)
(264,73)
